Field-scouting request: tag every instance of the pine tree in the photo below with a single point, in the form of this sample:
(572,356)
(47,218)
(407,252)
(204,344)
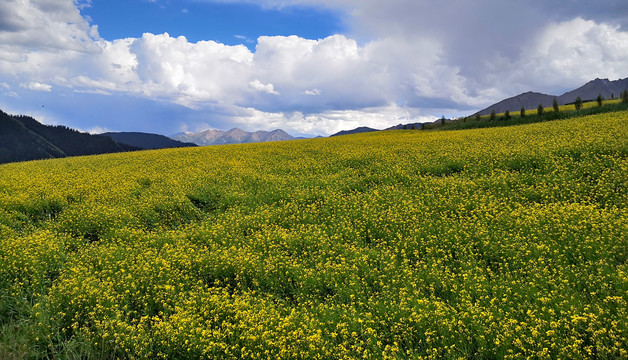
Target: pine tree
(599,99)
(578,103)
(507,115)
(522,112)
(555,105)
(540,109)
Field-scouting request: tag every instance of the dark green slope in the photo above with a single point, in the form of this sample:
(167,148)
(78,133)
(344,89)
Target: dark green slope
(146,140)
(23,138)
(72,142)
(18,143)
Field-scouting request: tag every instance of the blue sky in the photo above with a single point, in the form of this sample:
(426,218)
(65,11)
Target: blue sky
(227,23)
(310,67)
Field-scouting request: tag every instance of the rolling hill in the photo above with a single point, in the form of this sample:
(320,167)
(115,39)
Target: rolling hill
(492,243)
(362,129)
(23,138)
(146,141)
(589,91)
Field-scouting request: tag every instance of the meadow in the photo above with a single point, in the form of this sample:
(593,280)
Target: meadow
(531,116)
(489,243)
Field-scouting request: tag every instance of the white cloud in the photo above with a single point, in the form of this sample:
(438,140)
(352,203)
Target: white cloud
(400,56)
(7,90)
(244,38)
(261,87)
(486,41)
(98,130)
(573,52)
(22,24)
(189,72)
(328,122)
(37,86)
(312,92)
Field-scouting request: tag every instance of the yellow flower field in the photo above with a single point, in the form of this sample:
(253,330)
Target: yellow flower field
(477,244)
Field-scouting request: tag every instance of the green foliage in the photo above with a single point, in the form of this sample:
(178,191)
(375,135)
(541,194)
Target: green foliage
(540,110)
(599,100)
(522,112)
(555,105)
(493,115)
(507,115)
(578,103)
(624,97)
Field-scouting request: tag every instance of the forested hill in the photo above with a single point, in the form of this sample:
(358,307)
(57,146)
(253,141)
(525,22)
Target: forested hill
(146,140)
(23,138)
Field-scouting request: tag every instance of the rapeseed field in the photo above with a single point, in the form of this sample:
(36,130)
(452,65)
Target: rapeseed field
(478,244)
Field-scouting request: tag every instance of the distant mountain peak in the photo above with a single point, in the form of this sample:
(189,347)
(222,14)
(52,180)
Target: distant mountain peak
(233,136)
(588,91)
(593,88)
(359,130)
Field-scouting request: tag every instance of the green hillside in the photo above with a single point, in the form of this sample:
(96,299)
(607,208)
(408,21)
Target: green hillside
(531,116)
(18,143)
(23,138)
(489,243)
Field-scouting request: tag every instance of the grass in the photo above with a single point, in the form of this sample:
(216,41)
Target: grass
(532,116)
(486,243)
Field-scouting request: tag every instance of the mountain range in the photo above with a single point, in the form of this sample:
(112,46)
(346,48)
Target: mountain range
(23,138)
(233,136)
(588,91)
(530,100)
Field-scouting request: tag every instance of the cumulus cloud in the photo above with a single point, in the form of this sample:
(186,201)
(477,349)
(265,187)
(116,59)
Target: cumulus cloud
(575,51)
(23,23)
(329,122)
(482,40)
(401,61)
(189,72)
(261,87)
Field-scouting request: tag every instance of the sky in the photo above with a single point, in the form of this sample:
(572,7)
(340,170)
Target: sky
(309,67)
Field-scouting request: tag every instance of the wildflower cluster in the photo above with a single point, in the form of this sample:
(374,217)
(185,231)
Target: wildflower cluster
(488,243)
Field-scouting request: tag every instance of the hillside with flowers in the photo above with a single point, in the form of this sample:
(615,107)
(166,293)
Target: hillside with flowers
(488,243)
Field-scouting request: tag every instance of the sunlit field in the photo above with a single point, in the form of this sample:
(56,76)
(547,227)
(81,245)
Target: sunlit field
(514,117)
(562,108)
(478,244)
